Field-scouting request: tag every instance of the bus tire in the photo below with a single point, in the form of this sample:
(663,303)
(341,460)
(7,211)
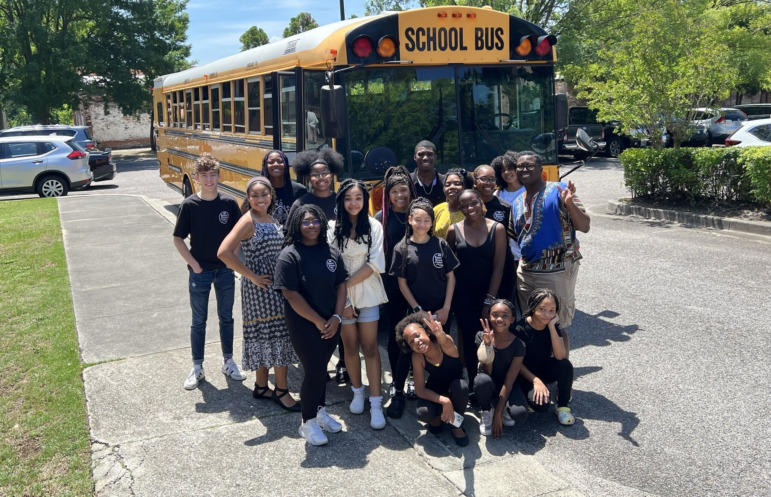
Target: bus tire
(187,189)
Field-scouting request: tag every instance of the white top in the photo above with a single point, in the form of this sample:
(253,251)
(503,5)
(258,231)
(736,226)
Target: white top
(369,292)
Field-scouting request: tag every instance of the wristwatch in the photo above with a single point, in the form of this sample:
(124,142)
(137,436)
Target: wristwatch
(417,308)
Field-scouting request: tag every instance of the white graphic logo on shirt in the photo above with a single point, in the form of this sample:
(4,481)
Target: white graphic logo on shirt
(224,216)
(438,261)
(498,215)
(331,265)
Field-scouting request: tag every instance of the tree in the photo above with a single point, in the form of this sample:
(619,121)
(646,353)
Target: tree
(648,65)
(55,53)
(373,7)
(300,23)
(253,37)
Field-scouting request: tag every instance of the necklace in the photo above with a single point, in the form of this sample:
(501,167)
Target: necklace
(396,215)
(433,184)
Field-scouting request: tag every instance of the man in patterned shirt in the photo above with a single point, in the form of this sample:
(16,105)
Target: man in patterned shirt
(545,220)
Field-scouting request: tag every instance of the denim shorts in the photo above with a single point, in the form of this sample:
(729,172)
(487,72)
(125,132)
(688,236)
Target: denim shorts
(365,315)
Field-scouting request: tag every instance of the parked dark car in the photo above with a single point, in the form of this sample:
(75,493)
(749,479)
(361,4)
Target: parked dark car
(755,111)
(604,134)
(100,162)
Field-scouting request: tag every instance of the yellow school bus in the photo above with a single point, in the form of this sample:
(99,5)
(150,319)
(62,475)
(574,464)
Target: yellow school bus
(474,81)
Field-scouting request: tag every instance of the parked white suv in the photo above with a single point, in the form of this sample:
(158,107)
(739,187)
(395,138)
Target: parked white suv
(51,166)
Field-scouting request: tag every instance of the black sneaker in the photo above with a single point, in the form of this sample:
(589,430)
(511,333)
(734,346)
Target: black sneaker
(341,376)
(473,402)
(396,408)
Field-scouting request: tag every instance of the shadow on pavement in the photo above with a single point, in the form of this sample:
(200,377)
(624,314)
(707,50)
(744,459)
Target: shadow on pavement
(594,329)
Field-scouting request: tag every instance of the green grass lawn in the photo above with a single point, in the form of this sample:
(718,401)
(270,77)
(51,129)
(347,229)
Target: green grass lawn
(44,444)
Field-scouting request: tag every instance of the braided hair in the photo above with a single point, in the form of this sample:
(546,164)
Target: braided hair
(343,223)
(292,232)
(538,296)
(423,204)
(394,175)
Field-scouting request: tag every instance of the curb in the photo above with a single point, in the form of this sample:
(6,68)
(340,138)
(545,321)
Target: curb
(691,219)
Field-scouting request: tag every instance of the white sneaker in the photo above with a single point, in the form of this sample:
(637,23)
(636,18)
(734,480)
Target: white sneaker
(195,376)
(486,423)
(230,368)
(507,421)
(377,420)
(327,422)
(312,434)
(357,404)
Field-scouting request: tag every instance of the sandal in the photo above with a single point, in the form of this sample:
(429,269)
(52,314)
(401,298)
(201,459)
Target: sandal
(564,416)
(261,393)
(277,399)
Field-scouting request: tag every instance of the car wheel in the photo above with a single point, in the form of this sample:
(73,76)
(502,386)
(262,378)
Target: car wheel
(615,147)
(708,141)
(187,189)
(52,186)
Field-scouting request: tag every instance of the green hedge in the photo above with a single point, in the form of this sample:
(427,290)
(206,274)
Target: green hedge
(698,175)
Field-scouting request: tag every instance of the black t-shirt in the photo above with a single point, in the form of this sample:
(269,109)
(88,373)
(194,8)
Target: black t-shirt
(285,197)
(314,271)
(538,343)
(394,232)
(425,270)
(434,192)
(207,222)
(326,204)
(503,358)
(500,210)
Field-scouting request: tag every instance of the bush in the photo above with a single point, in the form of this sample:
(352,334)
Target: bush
(699,175)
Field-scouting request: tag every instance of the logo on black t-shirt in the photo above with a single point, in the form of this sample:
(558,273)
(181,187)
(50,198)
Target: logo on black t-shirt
(224,216)
(438,261)
(331,265)
(498,215)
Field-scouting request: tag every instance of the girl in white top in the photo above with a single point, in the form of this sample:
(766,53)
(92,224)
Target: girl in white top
(360,241)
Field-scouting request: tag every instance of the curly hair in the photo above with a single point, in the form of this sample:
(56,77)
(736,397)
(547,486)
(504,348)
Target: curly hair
(424,205)
(306,159)
(414,318)
(245,206)
(206,162)
(292,227)
(343,223)
(538,296)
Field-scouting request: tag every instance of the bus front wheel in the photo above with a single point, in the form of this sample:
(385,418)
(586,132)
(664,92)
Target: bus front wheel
(187,189)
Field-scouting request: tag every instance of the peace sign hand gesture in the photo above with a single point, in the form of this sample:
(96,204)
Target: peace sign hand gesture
(487,333)
(434,325)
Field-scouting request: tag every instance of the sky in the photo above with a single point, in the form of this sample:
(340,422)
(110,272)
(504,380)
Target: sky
(215,26)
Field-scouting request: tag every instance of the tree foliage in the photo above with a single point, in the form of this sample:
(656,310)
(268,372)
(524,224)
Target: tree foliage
(373,7)
(300,23)
(253,37)
(55,53)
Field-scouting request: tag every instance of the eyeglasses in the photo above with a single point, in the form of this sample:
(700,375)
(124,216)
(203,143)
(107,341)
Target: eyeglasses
(307,223)
(322,174)
(524,167)
(487,179)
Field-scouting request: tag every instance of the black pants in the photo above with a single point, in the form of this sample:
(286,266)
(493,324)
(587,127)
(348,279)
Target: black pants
(457,393)
(395,309)
(467,315)
(487,394)
(314,353)
(560,371)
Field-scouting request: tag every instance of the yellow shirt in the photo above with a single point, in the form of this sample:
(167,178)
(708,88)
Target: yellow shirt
(444,218)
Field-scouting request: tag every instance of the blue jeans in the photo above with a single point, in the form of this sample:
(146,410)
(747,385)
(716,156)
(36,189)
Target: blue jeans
(224,288)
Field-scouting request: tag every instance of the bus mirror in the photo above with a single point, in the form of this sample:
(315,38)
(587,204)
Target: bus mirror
(333,111)
(561,111)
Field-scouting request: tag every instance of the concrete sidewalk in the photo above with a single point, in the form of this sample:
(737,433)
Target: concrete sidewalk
(150,437)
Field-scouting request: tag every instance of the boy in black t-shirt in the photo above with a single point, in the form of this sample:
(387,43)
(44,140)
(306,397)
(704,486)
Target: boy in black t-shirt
(207,217)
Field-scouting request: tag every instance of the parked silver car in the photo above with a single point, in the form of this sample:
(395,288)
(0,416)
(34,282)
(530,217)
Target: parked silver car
(720,123)
(48,165)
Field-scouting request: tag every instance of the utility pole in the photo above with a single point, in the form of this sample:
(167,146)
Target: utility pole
(342,10)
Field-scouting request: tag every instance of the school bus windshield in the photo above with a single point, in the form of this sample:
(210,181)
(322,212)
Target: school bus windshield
(471,113)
